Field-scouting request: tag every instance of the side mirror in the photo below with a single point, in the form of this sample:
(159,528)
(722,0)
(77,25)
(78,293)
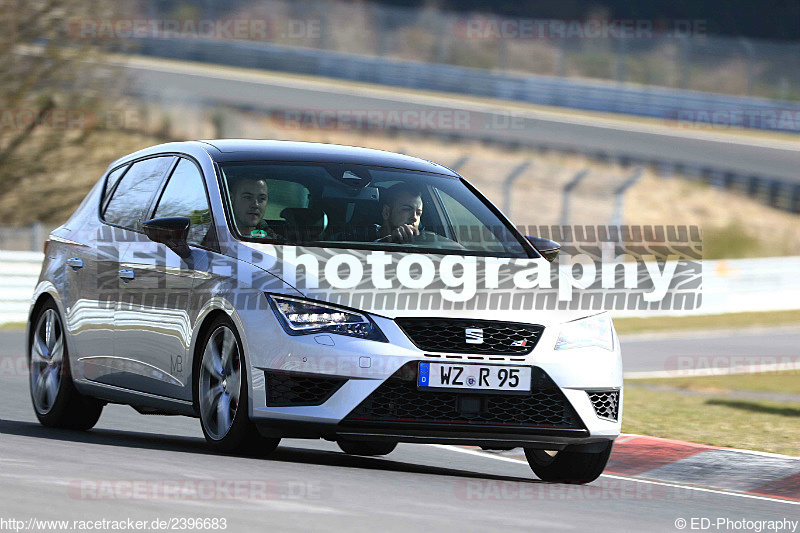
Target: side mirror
(549,249)
(171,231)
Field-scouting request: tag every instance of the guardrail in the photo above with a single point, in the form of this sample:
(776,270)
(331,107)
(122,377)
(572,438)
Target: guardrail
(591,95)
(728,286)
(777,192)
(19,272)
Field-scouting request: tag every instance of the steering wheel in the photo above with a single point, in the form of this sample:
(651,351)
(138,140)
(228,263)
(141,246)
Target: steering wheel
(429,237)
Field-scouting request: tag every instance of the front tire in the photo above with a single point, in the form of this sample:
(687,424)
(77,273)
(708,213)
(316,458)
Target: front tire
(362,447)
(222,394)
(56,401)
(567,466)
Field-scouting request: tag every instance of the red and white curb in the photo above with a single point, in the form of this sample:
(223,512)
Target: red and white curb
(688,463)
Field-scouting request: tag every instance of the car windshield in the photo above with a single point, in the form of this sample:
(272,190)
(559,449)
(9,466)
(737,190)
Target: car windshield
(355,206)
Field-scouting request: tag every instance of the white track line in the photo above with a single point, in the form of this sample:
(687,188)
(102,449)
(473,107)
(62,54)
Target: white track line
(625,478)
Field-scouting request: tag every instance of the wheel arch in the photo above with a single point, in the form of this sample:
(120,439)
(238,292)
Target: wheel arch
(45,294)
(203,325)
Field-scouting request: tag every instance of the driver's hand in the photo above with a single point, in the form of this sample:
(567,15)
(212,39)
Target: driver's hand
(404,233)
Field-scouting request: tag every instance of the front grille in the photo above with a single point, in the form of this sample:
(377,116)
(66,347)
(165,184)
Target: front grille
(288,389)
(605,403)
(449,335)
(398,400)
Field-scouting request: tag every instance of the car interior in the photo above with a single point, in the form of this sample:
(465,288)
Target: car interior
(305,208)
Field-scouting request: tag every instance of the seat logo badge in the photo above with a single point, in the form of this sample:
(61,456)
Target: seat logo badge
(474,335)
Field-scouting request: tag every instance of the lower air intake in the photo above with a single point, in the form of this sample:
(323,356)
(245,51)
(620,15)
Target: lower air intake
(605,403)
(292,389)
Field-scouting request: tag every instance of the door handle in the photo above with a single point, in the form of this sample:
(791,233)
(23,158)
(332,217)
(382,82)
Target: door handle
(126,275)
(75,262)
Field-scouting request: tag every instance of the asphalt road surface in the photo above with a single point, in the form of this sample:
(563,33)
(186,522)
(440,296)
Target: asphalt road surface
(651,353)
(205,84)
(148,467)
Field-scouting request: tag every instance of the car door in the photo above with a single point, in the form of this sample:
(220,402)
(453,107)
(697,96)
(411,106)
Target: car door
(106,281)
(90,286)
(154,320)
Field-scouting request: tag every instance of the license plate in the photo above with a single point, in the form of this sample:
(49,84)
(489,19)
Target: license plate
(474,377)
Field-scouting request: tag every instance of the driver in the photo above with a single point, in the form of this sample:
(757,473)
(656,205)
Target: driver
(249,197)
(401,213)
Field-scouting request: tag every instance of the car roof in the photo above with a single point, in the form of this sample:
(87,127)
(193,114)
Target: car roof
(268,150)
(229,150)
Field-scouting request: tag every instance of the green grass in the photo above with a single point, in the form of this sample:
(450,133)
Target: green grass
(753,425)
(727,321)
(730,242)
(12,326)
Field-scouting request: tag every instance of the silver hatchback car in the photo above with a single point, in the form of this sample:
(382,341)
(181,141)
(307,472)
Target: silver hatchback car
(279,289)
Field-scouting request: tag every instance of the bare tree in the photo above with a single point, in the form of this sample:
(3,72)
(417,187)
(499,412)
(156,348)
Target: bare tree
(50,90)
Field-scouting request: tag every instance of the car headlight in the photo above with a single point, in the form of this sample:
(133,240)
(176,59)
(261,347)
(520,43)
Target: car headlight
(304,317)
(585,332)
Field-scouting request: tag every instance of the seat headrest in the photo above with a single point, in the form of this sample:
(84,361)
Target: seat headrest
(304,223)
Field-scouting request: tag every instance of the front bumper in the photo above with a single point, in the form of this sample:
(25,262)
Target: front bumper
(397,410)
(359,371)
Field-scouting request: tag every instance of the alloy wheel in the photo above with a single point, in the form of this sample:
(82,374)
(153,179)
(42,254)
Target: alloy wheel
(220,382)
(47,358)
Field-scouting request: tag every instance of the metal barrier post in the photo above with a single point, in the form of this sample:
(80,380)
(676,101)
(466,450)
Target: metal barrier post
(509,182)
(567,191)
(619,194)
(460,162)
(36,236)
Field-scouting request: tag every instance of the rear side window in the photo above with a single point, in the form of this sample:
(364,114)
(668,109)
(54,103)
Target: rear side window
(132,196)
(111,184)
(283,194)
(185,196)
